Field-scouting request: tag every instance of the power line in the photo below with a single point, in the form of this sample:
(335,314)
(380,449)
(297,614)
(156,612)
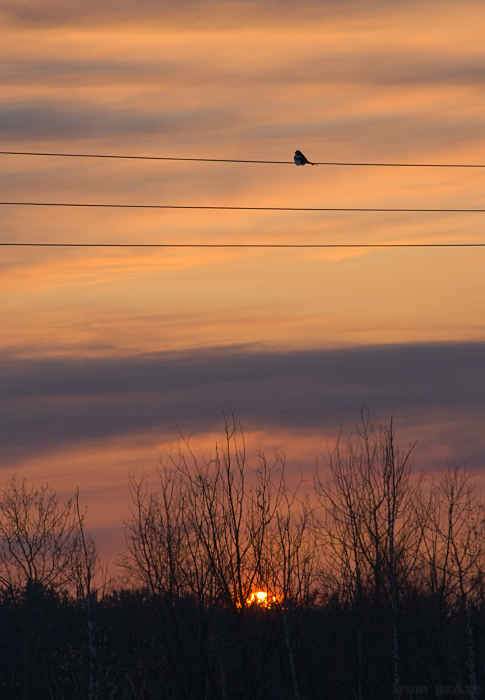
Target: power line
(230,208)
(121,157)
(246,245)
(237,160)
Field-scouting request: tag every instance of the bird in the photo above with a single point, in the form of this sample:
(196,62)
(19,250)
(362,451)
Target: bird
(300,159)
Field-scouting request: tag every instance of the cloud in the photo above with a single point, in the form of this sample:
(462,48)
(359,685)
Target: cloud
(185,14)
(49,404)
(49,119)
(274,68)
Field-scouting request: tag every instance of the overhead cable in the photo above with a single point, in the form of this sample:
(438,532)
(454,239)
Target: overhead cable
(245,245)
(238,160)
(235,208)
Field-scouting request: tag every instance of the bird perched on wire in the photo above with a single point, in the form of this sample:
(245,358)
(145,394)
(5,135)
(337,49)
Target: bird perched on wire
(300,159)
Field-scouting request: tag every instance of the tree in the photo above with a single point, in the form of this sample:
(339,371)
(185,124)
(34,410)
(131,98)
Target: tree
(37,535)
(217,530)
(38,552)
(455,552)
(86,567)
(371,532)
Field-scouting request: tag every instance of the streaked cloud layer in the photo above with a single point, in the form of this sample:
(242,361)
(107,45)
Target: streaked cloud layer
(58,401)
(104,352)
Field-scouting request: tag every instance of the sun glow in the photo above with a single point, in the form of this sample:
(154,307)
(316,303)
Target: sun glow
(262,599)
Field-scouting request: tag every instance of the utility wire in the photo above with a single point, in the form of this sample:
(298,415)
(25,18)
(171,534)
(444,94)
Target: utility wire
(236,160)
(196,206)
(247,245)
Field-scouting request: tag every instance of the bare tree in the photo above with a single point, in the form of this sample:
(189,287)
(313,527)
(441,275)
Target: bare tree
(370,531)
(164,555)
(455,550)
(37,550)
(36,538)
(232,508)
(293,564)
(216,530)
(87,565)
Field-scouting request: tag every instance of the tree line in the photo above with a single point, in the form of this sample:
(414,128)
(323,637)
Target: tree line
(238,583)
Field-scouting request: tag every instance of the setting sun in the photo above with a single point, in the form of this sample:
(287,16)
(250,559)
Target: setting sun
(262,599)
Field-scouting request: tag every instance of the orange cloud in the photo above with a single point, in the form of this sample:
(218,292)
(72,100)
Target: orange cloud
(398,82)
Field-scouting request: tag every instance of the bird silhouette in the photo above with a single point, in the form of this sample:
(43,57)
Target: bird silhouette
(300,159)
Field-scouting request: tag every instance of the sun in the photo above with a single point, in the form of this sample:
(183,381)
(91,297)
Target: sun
(261,598)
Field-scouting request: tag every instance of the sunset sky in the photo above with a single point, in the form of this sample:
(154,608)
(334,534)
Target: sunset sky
(106,354)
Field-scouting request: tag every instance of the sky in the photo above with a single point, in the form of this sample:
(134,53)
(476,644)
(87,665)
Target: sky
(108,356)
